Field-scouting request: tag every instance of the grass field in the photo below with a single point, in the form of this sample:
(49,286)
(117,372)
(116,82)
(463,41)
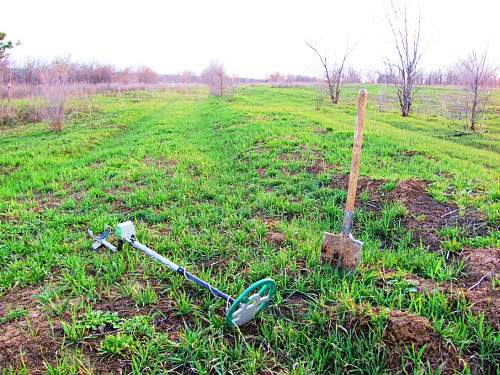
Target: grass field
(237,190)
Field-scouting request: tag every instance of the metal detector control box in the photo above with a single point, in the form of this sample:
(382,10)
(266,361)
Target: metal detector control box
(125,231)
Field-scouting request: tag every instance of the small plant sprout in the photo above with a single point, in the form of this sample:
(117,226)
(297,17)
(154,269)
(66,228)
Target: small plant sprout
(118,345)
(146,296)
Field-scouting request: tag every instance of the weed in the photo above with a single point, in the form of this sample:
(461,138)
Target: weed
(117,345)
(15,314)
(146,296)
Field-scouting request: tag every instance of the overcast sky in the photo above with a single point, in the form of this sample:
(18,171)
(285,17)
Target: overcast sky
(252,38)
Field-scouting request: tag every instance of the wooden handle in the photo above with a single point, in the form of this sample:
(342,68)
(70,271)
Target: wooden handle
(356,152)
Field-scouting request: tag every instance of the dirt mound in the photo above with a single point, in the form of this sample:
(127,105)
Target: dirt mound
(425,217)
(365,185)
(481,267)
(404,330)
(481,262)
(276,238)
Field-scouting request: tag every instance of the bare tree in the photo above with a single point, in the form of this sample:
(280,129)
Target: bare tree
(276,79)
(216,78)
(403,70)
(477,76)
(55,93)
(147,75)
(333,74)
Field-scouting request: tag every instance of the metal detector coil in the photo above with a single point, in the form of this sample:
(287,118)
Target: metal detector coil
(248,304)
(243,309)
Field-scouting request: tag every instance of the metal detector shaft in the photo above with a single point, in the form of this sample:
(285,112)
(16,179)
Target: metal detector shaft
(110,246)
(174,267)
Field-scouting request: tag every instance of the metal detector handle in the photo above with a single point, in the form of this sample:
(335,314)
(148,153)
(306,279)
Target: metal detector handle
(180,270)
(355,162)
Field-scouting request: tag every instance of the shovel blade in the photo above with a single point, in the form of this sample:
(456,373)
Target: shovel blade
(341,251)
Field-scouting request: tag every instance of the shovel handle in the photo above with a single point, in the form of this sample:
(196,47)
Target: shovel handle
(356,152)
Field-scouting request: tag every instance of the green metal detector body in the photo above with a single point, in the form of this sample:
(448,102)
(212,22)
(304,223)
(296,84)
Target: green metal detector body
(248,304)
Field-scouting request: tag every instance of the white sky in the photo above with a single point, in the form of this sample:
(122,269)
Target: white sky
(252,38)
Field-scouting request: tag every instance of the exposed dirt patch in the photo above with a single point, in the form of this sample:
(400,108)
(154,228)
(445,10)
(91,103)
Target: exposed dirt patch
(481,262)
(403,331)
(161,230)
(166,319)
(419,284)
(482,266)
(409,153)
(54,200)
(160,163)
(476,286)
(426,285)
(30,339)
(294,305)
(425,215)
(276,238)
(406,330)
(365,185)
(485,300)
(33,339)
(18,299)
(261,172)
(290,156)
(261,148)
(319,165)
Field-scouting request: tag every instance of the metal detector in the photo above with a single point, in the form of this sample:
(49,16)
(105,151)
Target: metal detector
(240,311)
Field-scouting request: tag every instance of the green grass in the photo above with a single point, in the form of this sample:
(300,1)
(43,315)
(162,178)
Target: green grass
(203,178)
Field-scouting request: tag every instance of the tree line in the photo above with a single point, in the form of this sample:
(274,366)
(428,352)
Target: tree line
(402,69)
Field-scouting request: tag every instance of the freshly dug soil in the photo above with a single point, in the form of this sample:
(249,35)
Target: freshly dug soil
(481,267)
(481,262)
(275,238)
(425,215)
(406,330)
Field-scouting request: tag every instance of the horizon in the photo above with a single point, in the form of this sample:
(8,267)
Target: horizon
(248,45)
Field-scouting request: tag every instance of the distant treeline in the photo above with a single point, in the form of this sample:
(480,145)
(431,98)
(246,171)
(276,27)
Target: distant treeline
(34,72)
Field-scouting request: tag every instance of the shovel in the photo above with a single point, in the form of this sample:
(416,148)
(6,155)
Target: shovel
(342,250)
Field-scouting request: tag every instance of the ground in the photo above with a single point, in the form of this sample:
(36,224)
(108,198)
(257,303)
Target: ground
(238,189)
